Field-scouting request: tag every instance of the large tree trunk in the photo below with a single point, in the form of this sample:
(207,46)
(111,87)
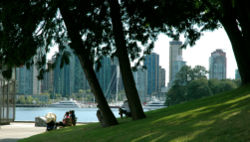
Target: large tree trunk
(122,54)
(87,65)
(238,37)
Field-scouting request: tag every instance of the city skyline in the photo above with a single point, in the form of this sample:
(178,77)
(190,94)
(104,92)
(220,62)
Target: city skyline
(199,54)
(70,80)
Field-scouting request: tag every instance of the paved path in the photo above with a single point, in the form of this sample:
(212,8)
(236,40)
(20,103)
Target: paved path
(16,131)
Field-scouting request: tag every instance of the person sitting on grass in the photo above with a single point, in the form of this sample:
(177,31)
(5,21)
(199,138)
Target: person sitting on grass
(73,117)
(51,125)
(50,121)
(66,121)
(124,109)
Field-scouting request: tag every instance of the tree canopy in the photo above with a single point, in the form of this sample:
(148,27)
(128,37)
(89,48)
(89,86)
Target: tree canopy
(192,83)
(193,17)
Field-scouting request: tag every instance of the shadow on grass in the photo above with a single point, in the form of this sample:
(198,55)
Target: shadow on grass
(234,128)
(220,120)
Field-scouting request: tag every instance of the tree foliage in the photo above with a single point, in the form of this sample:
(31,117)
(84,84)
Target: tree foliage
(192,17)
(191,84)
(85,26)
(197,89)
(49,28)
(187,74)
(218,86)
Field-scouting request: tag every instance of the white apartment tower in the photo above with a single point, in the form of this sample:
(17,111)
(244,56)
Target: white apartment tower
(175,60)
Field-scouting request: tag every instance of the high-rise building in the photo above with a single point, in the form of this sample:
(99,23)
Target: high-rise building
(107,76)
(237,74)
(27,82)
(175,60)
(80,81)
(24,81)
(162,77)
(218,65)
(36,83)
(141,82)
(48,79)
(64,77)
(152,64)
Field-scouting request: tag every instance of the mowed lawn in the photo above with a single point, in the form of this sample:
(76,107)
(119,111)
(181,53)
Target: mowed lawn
(221,118)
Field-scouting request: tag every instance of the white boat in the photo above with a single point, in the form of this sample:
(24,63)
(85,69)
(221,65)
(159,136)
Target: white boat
(155,104)
(66,104)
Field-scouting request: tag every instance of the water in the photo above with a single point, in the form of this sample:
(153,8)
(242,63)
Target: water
(82,114)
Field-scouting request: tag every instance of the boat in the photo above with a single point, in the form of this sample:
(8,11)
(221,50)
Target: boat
(155,104)
(66,104)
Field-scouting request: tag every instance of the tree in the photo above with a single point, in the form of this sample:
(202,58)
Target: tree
(187,74)
(214,85)
(218,86)
(199,72)
(112,34)
(91,35)
(183,77)
(190,83)
(125,67)
(81,49)
(235,18)
(197,89)
(21,99)
(44,26)
(176,94)
(192,17)
(227,85)
(116,34)
(16,39)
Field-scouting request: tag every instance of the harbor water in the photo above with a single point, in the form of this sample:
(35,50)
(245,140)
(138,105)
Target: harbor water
(82,114)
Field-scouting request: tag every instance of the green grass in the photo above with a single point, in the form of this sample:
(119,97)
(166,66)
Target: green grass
(221,118)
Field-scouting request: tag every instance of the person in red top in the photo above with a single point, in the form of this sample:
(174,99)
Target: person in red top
(66,121)
(66,116)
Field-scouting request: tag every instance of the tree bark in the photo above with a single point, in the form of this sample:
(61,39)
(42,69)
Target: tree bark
(122,54)
(87,65)
(239,40)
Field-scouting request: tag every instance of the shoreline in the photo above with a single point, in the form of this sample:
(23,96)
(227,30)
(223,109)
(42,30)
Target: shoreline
(47,105)
(30,105)
(34,122)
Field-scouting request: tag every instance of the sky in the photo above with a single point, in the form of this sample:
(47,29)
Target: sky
(199,53)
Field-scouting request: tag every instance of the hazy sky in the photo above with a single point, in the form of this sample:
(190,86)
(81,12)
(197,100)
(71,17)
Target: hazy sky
(199,54)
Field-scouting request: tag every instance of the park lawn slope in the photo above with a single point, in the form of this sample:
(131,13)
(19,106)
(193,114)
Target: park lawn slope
(224,117)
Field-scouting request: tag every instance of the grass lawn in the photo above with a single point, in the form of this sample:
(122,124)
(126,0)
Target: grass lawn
(221,118)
